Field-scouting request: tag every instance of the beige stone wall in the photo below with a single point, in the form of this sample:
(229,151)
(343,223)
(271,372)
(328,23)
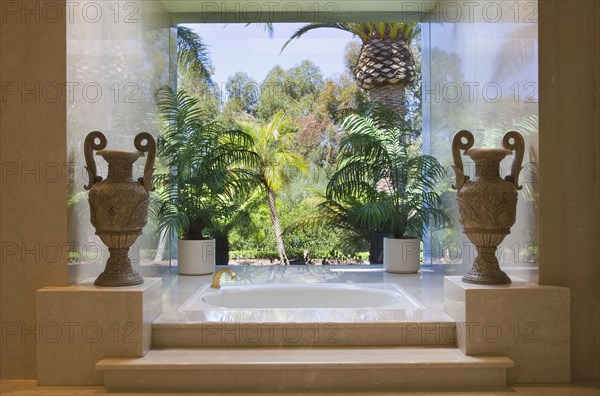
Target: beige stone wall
(33,213)
(569,167)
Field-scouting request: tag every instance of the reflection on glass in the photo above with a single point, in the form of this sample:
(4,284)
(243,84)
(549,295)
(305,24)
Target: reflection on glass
(483,77)
(117,56)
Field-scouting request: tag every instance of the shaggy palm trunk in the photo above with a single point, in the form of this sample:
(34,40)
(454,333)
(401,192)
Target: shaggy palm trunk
(392,96)
(385,68)
(276,226)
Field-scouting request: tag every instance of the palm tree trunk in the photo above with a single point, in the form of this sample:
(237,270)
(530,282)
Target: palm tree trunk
(392,96)
(276,226)
(162,246)
(376,247)
(222,249)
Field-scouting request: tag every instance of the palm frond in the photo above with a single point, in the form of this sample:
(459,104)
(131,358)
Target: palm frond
(267,27)
(348,27)
(328,213)
(391,186)
(209,167)
(274,145)
(192,54)
(405,31)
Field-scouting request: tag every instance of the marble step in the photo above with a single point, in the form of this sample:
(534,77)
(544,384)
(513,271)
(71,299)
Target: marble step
(298,334)
(325,369)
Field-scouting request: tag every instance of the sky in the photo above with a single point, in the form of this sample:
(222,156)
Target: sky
(237,47)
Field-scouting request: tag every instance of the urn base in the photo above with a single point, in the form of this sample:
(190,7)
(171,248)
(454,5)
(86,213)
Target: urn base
(486,270)
(119,278)
(499,278)
(118,271)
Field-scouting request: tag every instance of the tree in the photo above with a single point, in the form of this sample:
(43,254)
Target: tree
(386,64)
(274,145)
(351,54)
(272,98)
(336,214)
(291,91)
(242,93)
(303,80)
(378,165)
(207,168)
(518,49)
(381,184)
(195,70)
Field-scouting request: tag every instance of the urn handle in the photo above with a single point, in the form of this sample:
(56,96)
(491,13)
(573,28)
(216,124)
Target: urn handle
(89,145)
(148,147)
(457,145)
(513,141)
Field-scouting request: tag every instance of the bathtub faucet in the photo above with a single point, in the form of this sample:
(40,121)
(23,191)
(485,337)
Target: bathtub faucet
(216,283)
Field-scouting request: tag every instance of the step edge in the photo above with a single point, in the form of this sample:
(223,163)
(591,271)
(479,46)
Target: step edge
(353,325)
(108,364)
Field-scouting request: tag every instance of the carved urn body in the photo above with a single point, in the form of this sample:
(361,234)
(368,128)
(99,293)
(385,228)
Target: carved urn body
(119,204)
(487,205)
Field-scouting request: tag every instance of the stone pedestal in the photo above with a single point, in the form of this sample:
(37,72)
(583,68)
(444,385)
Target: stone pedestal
(80,324)
(526,322)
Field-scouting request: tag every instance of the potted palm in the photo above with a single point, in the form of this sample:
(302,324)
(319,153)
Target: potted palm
(382,170)
(207,168)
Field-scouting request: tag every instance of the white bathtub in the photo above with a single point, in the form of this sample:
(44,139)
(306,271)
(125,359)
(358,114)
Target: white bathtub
(286,299)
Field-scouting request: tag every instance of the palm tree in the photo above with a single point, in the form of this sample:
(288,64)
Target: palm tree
(207,167)
(386,65)
(390,183)
(193,60)
(274,144)
(382,185)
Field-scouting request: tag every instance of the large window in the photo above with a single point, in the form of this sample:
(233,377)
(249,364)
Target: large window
(478,68)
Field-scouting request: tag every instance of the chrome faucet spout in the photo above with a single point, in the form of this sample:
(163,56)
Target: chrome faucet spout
(216,282)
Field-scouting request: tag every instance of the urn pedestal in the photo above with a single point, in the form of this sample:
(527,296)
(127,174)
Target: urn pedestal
(487,205)
(119,204)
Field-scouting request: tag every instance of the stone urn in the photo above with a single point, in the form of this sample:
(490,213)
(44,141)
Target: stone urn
(119,204)
(487,205)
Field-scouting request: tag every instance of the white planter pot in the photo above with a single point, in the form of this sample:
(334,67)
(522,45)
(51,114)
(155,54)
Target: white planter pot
(196,257)
(401,256)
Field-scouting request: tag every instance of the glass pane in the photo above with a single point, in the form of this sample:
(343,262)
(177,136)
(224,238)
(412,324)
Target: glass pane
(117,56)
(483,77)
